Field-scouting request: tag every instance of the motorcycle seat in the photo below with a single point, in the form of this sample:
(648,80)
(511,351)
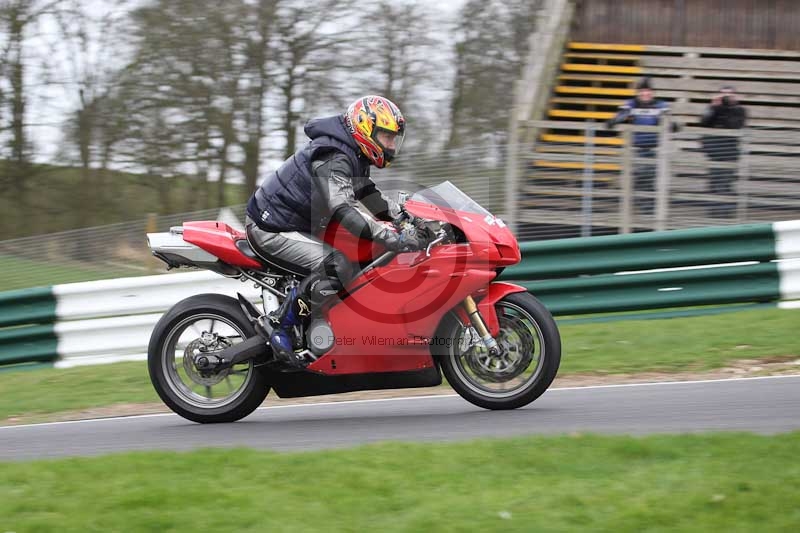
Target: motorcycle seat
(272,263)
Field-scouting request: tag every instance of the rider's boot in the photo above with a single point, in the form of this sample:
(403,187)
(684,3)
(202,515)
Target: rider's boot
(310,294)
(282,338)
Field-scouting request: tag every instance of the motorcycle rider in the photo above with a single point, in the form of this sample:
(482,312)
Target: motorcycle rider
(328,179)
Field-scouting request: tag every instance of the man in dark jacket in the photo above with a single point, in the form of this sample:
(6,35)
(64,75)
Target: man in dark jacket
(328,179)
(644,110)
(724,113)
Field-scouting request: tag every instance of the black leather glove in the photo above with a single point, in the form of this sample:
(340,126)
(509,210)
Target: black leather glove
(411,242)
(403,217)
(405,241)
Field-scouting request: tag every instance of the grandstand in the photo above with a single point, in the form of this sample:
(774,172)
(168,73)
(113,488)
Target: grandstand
(571,160)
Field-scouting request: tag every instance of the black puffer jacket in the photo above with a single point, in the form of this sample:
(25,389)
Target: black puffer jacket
(323,180)
(723,147)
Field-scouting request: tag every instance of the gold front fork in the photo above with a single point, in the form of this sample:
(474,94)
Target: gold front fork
(477,322)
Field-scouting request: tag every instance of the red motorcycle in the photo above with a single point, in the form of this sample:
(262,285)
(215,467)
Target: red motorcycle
(405,319)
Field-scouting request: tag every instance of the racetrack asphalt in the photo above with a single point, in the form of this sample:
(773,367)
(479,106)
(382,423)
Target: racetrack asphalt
(762,405)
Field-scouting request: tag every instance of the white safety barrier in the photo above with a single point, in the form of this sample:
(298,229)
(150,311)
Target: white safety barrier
(787,239)
(111,320)
(147,294)
(790,279)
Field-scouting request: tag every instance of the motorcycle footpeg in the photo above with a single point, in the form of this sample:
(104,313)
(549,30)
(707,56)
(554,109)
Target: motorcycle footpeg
(296,361)
(293,360)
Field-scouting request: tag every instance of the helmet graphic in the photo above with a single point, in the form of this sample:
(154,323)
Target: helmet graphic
(378,127)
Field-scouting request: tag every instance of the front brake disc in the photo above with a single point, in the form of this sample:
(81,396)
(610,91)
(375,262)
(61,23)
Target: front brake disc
(506,366)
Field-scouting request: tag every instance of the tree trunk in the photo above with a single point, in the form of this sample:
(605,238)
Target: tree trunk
(19,159)
(88,189)
(288,119)
(103,174)
(255,127)
(163,187)
(223,170)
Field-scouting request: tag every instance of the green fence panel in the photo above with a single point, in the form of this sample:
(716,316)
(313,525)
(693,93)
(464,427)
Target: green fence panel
(39,351)
(14,335)
(640,251)
(28,344)
(707,286)
(27,306)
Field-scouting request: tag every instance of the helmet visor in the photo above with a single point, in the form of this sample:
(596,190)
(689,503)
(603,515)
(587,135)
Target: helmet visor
(389,141)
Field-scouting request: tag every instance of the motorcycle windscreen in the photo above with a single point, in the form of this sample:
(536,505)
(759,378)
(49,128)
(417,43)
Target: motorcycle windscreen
(448,196)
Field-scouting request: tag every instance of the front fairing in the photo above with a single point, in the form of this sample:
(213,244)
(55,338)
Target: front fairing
(486,234)
(489,239)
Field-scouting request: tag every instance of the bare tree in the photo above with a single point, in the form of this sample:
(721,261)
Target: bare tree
(87,70)
(311,47)
(259,29)
(16,17)
(492,42)
(188,71)
(410,63)
(19,22)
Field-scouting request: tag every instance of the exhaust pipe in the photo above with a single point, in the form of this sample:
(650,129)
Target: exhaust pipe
(258,321)
(248,308)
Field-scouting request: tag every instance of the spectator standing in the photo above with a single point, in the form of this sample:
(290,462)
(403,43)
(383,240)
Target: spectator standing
(644,110)
(725,112)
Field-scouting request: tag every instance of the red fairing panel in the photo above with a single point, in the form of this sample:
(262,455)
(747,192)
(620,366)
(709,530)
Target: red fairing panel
(503,249)
(389,320)
(219,239)
(487,297)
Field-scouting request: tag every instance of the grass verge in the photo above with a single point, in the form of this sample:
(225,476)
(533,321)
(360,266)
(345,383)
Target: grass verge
(669,345)
(724,482)
(676,344)
(23,274)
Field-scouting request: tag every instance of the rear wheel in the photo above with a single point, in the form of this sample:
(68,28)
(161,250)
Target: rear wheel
(195,328)
(526,366)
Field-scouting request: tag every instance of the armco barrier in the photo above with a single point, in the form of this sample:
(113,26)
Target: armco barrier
(27,306)
(644,251)
(98,320)
(28,344)
(110,320)
(657,270)
(676,288)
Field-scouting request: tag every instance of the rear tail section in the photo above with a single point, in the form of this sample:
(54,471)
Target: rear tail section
(206,245)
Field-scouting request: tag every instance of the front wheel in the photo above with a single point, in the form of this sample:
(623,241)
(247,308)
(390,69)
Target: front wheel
(526,366)
(195,328)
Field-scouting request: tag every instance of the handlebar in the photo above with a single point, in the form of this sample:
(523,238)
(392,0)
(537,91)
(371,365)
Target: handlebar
(440,236)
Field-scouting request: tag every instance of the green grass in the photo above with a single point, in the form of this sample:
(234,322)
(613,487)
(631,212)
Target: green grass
(724,482)
(692,343)
(671,345)
(22,273)
(50,390)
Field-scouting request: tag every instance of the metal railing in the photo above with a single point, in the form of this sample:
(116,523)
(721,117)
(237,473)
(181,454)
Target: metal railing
(604,184)
(102,252)
(654,178)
